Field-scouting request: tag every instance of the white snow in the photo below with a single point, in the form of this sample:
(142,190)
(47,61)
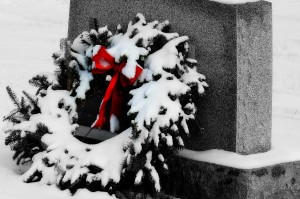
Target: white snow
(70,156)
(112,156)
(114,123)
(124,45)
(138,177)
(156,103)
(156,93)
(85,78)
(156,61)
(30,33)
(161,157)
(235,1)
(80,47)
(193,77)
(108,78)
(153,172)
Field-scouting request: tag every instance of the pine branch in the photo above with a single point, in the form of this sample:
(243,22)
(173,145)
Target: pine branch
(40,82)
(13,97)
(27,145)
(23,104)
(11,115)
(13,136)
(30,98)
(33,102)
(93,23)
(14,120)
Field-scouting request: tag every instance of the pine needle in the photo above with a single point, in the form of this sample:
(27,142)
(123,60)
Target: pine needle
(30,98)
(10,115)
(13,96)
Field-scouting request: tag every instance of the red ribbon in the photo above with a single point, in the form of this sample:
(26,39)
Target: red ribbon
(104,62)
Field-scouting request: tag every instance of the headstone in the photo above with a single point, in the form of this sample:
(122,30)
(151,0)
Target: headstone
(192,179)
(233,46)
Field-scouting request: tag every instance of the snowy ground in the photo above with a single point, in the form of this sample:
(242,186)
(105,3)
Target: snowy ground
(30,31)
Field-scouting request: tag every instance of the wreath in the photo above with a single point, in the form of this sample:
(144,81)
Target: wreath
(148,64)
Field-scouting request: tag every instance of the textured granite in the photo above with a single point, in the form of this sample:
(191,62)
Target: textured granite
(233,46)
(190,179)
(254,78)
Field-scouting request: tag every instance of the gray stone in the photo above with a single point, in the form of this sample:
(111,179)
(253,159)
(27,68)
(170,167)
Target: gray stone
(191,179)
(233,44)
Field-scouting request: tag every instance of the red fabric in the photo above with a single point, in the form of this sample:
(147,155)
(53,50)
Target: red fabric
(104,62)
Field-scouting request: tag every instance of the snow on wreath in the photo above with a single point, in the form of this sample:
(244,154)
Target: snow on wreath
(145,68)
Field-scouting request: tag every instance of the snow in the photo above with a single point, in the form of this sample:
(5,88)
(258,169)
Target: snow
(114,123)
(235,1)
(80,47)
(32,31)
(70,157)
(153,172)
(14,188)
(138,177)
(156,61)
(85,78)
(156,105)
(125,45)
(156,93)
(161,157)
(192,77)
(106,150)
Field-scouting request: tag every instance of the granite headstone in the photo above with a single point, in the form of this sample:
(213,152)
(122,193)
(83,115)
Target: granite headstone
(233,46)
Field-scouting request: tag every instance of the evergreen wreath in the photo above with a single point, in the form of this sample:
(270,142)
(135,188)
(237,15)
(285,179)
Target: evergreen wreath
(161,102)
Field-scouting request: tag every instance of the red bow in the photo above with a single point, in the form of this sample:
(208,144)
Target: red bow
(105,62)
